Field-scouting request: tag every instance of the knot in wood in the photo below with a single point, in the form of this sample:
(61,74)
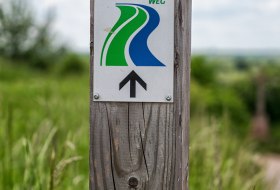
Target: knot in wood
(133,182)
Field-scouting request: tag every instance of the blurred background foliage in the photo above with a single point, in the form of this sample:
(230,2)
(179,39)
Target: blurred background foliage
(44,110)
(23,37)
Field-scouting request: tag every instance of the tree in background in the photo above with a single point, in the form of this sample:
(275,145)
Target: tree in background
(260,125)
(16,23)
(23,37)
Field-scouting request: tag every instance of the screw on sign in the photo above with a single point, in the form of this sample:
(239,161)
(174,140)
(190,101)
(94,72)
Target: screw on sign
(96,96)
(140,100)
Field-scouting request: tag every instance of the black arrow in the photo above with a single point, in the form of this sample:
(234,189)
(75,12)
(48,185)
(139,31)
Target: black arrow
(133,77)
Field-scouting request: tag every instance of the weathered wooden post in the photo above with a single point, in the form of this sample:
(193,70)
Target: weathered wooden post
(139,136)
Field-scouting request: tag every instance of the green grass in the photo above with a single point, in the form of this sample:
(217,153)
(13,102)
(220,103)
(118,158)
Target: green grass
(44,138)
(43,130)
(219,160)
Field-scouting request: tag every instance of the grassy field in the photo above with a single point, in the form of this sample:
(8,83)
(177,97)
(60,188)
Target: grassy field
(44,138)
(44,130)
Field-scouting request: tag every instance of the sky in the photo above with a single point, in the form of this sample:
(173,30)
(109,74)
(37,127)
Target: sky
(216,24)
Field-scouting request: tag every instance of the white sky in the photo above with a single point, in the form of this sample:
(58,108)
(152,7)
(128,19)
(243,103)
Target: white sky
(217,24)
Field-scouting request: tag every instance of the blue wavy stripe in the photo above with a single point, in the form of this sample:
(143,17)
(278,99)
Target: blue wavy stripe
(138,49)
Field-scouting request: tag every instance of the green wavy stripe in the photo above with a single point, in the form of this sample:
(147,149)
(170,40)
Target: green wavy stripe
(116,51)
(126,14)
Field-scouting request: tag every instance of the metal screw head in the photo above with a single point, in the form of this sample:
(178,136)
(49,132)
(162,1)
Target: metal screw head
(96,96)
(168,98)
(133,182)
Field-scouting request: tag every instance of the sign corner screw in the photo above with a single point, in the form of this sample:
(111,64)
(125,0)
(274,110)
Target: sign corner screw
(96,96)
(168,98)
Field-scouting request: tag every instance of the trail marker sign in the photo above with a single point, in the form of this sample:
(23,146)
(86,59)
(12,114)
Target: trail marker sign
(134,50)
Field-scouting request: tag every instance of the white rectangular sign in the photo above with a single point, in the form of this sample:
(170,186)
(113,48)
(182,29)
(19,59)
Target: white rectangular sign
(134,50)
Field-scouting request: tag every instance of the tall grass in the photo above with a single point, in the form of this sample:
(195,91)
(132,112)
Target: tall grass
(36,161)
(219,160)
(43,131)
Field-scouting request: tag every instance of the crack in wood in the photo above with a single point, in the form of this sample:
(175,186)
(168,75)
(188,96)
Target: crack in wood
(111,151)
(128,129)
(143,151)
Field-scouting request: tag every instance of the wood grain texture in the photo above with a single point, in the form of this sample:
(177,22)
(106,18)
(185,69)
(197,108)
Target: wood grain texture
(148,141)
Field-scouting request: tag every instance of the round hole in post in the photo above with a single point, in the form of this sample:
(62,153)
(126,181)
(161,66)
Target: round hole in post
(133,182)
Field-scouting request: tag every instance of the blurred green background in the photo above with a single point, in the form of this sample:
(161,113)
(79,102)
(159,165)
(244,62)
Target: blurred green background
(44,112)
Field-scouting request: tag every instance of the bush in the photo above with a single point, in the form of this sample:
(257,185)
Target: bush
(241,64)
(217,101)
(202,72)
(71,64)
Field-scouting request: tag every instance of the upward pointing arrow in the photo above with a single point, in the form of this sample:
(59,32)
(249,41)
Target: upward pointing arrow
(133,77)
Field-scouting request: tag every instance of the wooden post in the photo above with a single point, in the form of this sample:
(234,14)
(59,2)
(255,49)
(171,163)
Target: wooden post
(144,146)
